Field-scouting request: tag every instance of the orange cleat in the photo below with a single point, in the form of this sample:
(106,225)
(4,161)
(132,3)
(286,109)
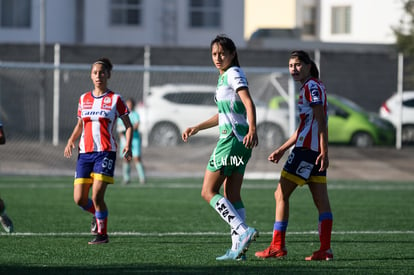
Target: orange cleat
(321,255)
(271,252)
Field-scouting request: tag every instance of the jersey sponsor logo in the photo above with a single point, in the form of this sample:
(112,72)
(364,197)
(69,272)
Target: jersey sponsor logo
(241,80)
(304,169)
(227,160)
(100,113)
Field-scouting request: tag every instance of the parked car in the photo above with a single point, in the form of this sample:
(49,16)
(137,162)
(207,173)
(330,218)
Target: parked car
(170,109)
(390,111)
(349,123)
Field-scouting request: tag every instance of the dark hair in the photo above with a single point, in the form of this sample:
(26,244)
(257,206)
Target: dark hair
(132,101)
(227,44)
(305,58)
(105,62)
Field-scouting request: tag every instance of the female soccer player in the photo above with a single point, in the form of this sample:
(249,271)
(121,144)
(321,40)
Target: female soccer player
(236,119)
(135,143)
(98,111)
(308,161)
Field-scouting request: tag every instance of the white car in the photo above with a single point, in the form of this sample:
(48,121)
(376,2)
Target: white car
(171,108)
(390,111)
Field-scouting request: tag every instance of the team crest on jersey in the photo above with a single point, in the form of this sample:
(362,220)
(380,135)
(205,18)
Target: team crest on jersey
(220,82)
(107,103)
(87,104)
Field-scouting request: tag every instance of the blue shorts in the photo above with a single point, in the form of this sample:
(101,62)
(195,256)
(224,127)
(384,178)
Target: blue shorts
(300,167)
(96,165)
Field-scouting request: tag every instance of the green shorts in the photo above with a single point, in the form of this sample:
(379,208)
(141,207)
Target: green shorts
(229,156)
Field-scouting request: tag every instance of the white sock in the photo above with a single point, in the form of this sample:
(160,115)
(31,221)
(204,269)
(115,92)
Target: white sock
(228,213)
(234,235)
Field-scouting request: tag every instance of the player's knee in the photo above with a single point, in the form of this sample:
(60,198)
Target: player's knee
(97,199)
(80,201)
(207,195)
(281,196)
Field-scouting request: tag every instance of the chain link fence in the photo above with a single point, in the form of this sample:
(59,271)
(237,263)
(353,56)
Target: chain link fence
(38,107)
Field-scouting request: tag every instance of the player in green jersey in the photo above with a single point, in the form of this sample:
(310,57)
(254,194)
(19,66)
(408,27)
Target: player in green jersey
(236,118)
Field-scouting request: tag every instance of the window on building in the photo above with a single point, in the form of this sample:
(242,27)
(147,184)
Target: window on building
(126,12)
(309,21)
(15,13)
(205,13)
(341,20)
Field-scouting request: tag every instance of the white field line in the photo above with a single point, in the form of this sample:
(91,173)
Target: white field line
(166,185)
(167,234)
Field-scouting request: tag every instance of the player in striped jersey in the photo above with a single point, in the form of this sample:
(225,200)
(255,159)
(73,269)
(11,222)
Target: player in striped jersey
(308,161)
(236,119)
(98,111)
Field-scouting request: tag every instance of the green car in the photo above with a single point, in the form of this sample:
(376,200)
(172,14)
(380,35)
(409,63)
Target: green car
(350,124)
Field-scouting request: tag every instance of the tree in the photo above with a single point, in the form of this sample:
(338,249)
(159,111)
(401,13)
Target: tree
(405,41)
(405,32)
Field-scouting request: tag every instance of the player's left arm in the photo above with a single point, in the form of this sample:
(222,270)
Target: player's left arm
(127,153)
(250,140)
(323,136)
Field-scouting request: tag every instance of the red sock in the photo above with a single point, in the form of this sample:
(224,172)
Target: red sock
(325,230)
(102,225)
(278,240)
(91,209)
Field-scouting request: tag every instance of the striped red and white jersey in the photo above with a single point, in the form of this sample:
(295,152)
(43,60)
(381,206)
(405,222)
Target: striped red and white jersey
(313,92)
(99,115)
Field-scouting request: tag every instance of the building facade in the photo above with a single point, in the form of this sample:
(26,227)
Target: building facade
(120,22)
(326,21)
(193,23)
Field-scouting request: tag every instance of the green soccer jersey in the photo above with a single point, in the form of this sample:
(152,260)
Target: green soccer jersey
(232,113)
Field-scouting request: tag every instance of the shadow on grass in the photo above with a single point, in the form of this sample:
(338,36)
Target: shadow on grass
(159,269)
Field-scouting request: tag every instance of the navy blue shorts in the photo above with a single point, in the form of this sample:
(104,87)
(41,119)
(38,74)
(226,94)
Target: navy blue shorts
(96,165)
(300,167)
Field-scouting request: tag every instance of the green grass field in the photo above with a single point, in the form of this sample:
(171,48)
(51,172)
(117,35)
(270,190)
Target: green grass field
(165,227)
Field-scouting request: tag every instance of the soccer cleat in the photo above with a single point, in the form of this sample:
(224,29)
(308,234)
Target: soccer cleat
(321,255)
(271,252)
(94,226)
(6,223)
(231,255)
(100,239)
(245,240)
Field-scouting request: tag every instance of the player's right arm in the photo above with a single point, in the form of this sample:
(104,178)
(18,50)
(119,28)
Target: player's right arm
(191,131)
(77,131)
(277,154)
